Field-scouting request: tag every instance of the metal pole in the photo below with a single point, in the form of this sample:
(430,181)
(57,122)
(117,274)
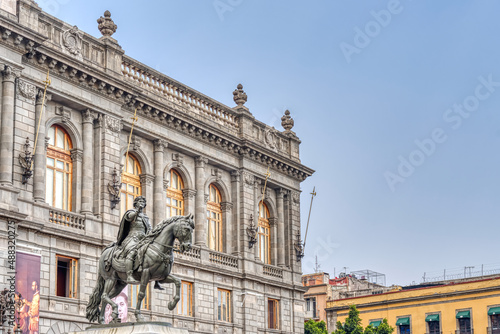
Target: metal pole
(309,216)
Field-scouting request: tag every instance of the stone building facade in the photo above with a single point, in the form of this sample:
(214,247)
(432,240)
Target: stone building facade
(185,146)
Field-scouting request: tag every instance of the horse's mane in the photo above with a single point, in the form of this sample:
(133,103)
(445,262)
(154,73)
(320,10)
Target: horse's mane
(164,223)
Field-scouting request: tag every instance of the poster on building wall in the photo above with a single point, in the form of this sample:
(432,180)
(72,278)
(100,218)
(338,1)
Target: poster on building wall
(8,6)
(27,292)
(122,301)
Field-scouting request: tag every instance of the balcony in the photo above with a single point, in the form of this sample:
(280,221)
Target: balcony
(223,259)
(273,271)
(66,218)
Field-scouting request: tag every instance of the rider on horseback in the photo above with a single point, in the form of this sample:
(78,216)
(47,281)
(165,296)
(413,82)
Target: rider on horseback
(133,228)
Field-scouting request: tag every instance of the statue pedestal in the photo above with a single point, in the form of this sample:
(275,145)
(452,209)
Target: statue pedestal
(135,328)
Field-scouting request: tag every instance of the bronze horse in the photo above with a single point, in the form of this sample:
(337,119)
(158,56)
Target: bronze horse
(156,258)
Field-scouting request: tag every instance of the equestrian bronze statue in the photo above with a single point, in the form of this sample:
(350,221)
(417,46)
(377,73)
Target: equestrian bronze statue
(140,255)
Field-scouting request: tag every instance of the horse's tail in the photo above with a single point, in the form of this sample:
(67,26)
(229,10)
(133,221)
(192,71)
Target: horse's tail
(95,299)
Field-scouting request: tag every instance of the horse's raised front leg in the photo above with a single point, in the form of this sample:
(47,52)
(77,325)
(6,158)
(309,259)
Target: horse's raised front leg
(177,297)
(142,293)
(108,286)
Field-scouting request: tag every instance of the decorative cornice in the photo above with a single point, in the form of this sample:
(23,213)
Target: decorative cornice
(164,110)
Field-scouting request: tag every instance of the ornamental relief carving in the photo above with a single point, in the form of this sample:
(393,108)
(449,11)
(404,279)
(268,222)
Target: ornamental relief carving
(295,197)
(112,124)
(72,41)
(26,90)
(248,179)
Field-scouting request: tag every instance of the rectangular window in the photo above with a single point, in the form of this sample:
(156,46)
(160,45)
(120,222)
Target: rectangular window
(403,325)
(67,277)
(134,292)
(495,324)
(273,313)
(223,305)
(433,323)
(185,305)
(464,326)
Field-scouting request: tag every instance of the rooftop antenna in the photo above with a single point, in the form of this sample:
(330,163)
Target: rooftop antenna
(316,265)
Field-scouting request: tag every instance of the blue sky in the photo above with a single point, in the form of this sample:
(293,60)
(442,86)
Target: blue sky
(359,114)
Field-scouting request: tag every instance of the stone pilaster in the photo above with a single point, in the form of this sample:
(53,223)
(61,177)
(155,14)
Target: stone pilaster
(235,195)
(7,125)
(39,163)
(88,117)
(158,192)
(227,219)
(256,200)
(273,223)
(146,180)
(200,215)
(281,239)
(76,158)
(189,198)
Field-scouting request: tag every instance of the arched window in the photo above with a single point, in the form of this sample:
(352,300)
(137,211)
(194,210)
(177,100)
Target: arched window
(175,199)
(59,169)
(264,234)
(214,219)
(131,183)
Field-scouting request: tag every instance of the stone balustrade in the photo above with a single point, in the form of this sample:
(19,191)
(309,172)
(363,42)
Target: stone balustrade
(223,259)
(273,271)
(178,94)
(65,218)
(193,253)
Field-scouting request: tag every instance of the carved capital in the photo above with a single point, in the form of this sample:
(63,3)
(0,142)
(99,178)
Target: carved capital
(10,74)
(280,193)
(273,221)
(188,193)
(226,206)
(76,154)
(146,179)
(88,116)
(200,161)
(235,176)
(159,145)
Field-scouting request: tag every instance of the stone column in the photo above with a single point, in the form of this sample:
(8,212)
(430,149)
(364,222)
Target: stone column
(281,227)
(88,117)
(7,126)
(273,224)
(235,195)
(158,192)
(39,163)
(189,196)
(76,188)
(228,226)
(200,215)
(256,200)
(146,180)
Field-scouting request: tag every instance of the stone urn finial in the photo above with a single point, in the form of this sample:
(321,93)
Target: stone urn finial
(240,97)
(106,25)
(287,121)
